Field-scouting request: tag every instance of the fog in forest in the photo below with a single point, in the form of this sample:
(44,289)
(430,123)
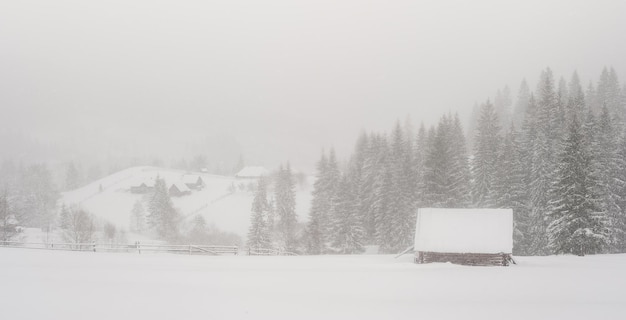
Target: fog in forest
(153,82)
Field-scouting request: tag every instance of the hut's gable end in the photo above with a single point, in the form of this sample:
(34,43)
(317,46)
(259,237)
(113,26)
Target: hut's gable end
(464,236)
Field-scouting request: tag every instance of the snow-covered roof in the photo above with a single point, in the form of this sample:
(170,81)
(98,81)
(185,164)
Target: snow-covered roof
(182,187)
(148,181)
(190,178)
(464,230)
(249,172)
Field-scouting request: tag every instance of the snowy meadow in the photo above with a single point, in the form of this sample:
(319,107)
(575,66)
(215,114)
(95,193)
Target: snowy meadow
(81,285)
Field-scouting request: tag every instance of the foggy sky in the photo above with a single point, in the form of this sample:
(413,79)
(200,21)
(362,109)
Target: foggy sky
(280,79)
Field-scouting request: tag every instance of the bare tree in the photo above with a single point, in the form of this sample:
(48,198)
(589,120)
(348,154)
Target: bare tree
(8,222)
(78,225)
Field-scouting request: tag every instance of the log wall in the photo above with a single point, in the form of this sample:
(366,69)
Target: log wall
(470,259)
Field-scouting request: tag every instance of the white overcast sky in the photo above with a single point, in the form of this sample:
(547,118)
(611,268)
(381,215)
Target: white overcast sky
(283,78)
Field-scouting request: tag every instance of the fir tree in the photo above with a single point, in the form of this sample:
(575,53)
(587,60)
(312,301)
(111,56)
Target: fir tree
(605,168)
(485,157)
(402,206)
(347,231)
(285,197)
(578,225)
(510,189)
(576,102)
(72,177)
(162,216)
(521,105)
(258,234)
(620,192)
(459,196)
(319,206)
(138,217)
(373,190)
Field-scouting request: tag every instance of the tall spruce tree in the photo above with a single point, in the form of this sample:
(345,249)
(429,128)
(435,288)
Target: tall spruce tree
(285,197)
(510,189)
(578,225)
(605,167)
(519,111)
(320,206)
(347,232)
(485,157)
(620,178)
(258,233)
(162,215)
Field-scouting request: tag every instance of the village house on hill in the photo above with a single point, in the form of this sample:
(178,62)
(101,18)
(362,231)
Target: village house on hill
(178,189)
(143,185)
(478,237)
(193,181)
(252,173)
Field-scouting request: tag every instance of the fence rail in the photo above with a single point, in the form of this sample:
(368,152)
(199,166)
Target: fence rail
(268,252)
(139,247)
(136,247)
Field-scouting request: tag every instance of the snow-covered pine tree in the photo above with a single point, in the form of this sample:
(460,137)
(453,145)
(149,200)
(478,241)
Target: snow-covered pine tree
(384,207)
(331,180)
(403,204)
(543,150)
(620,178)
(519,111)
(137,217)
(347,233)
(374,195)
(578,225)
(605,168)
(576,101)
(285,197)
(419,159)
(258,233)
(608,92)
(510,188)
(162,216)
(320,206)
(502,105)
(439,162)
(487,144)
(591,96)
(72,177)
(459,196)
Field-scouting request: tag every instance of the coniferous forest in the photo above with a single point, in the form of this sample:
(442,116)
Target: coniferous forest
(556,155)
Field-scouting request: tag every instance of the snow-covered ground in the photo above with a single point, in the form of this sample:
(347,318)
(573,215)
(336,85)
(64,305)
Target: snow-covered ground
(37,284)
(110,198)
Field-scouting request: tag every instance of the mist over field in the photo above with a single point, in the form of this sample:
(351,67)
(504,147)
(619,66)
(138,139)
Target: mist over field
(280,159)
(272,80)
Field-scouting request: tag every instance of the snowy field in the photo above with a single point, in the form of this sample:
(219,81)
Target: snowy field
(37,284)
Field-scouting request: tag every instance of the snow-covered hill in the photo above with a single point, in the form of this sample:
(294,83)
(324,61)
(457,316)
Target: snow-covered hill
(224,201)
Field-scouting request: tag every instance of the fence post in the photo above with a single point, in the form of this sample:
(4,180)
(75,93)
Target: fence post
(189,249)
(94,246)
(139,246)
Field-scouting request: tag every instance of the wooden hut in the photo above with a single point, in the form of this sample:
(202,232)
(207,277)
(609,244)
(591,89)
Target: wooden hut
(143,185)
(477,237)
(193,181)
(252,173)
(178,189)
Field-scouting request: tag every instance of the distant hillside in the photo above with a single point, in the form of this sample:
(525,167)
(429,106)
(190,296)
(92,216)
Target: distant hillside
(224,201)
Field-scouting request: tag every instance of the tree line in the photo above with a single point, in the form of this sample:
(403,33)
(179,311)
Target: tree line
(557,157)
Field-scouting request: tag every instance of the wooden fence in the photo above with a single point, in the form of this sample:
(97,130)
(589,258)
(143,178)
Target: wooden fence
(268,252)
(136,247)
(139,247)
